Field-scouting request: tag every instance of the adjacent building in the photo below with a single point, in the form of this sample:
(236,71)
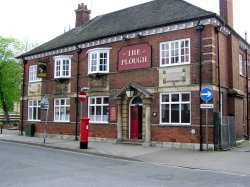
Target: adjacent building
(142,68)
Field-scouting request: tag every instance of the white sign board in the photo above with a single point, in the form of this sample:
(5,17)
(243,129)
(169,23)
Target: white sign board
(204,106)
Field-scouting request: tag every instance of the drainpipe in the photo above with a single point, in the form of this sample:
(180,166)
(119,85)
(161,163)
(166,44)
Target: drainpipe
(78,51)
(199,27)
(22,102)
(217,30)
(247,70)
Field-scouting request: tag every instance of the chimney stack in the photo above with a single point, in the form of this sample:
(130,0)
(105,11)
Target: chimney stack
(82,15)
(226,11)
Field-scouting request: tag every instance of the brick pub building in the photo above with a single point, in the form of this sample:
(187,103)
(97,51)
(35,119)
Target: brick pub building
(144,68)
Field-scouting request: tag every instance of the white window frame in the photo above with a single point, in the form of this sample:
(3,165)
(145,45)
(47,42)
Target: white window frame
(180,102)
(166,47)
(95,120)
(62,109)
(31,105)
(33,74)
(59,62)
(97,53)
(241,64)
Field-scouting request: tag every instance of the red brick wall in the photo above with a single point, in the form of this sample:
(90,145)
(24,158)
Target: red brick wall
(102,131)
(179,134)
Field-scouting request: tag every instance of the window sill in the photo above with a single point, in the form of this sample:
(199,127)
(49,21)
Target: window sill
(173,125)
(30,120)
(62,121)
(98,123)
(171,65)
(35,81)
(62,77)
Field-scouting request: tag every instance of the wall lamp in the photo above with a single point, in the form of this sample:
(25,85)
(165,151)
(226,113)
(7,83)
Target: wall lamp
(130,91)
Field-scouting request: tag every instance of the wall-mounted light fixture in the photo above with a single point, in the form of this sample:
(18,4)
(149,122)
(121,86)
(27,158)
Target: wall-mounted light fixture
(130,91)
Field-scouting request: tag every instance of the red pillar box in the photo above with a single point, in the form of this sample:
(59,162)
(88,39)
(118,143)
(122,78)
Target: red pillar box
(84,133)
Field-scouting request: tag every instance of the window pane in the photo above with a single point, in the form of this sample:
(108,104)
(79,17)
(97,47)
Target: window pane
(30,113)
(165,113)
(92,100)
(106,100)
(99,100)
(98,113)
(92,113)
(185,97)
(175,113)
(175,97)
(185,113)
(57,113)
(105,114)
(165,98)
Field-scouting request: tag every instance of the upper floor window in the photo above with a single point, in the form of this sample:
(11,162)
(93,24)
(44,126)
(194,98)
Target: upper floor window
(33,74)
(175,52)
(62,66)
(98,60)
(241,64)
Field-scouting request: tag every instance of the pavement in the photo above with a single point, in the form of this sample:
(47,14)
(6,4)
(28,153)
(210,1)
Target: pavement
(235,161)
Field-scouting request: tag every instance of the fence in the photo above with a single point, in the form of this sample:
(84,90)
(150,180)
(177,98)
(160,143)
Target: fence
(14,118)
(228,135)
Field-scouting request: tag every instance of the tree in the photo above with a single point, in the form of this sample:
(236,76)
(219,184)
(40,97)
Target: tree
(10,74)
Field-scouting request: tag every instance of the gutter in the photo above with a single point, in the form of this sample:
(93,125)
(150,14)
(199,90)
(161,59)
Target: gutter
(22,102)
(78,51)
(247,76)
(218,30)
(199,27)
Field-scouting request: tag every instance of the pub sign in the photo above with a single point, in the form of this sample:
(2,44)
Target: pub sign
(134,57)
(41,70)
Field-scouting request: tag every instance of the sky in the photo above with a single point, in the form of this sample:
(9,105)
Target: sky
(38,21)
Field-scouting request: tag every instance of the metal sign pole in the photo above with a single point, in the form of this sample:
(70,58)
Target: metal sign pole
(206,94)
(46,125)
(207,127)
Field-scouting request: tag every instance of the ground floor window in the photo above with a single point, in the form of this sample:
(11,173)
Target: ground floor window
(175,108)
(98,109)
(34,110)
(62,110)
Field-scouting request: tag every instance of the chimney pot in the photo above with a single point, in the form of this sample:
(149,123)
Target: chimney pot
(82,15)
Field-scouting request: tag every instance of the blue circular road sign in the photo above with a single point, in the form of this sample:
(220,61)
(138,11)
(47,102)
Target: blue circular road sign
(206,94)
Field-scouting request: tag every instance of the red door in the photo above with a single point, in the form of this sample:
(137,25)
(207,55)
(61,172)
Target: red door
(134,120)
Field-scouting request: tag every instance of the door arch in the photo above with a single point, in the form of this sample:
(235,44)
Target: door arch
(135,118)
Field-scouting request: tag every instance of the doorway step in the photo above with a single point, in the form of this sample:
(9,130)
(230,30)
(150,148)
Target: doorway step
(132,142)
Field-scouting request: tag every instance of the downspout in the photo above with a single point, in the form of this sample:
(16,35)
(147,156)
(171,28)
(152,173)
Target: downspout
(78,51)
(199,27)
(22,102)
(217,30)
(247,71)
